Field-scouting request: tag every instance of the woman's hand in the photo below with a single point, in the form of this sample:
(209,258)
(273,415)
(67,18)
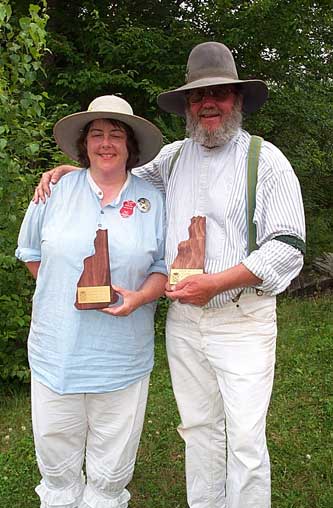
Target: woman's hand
(131,301)
(151,289)
(52,176)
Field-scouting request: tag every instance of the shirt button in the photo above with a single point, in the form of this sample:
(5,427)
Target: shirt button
(100,193)
(99,225)
(102,212)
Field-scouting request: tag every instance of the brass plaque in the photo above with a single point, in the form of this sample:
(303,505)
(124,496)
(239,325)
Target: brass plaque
(178,274)
(93,294)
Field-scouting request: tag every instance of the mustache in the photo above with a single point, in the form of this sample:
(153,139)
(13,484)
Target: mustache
(209,111)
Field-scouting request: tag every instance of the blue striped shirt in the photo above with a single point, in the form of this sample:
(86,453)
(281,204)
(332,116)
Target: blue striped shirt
(212,182)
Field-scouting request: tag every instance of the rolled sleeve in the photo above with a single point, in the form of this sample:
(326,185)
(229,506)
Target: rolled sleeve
(27,255)
(29,240)
(276,264)
(158,267)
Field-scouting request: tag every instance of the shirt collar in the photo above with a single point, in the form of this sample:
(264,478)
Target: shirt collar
(98,191)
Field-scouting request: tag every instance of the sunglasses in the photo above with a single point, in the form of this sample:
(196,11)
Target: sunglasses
(218,92)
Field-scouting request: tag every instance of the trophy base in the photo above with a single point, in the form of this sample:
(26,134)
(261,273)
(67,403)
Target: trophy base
(178,274)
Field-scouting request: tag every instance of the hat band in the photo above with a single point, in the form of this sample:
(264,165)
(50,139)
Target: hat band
(210,72)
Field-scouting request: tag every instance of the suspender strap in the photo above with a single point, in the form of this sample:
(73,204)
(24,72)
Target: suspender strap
(174,160)
(252,174)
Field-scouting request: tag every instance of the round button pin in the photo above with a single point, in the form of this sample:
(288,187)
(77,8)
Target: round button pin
(143,205)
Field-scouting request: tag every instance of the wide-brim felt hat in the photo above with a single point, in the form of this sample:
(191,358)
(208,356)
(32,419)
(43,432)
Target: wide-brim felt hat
(68,130)
(210,64)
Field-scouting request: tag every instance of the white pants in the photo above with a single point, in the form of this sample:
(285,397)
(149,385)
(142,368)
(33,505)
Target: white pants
(222,368)
(103,428)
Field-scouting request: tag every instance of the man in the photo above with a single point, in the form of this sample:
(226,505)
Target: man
(221,327)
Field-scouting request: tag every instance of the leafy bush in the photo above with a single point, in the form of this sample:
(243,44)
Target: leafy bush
(23,148)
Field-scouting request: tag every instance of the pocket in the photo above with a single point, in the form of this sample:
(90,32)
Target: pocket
(183,314)
(258,308)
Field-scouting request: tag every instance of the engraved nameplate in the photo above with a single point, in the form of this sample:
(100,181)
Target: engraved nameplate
(94,294)
(178,274)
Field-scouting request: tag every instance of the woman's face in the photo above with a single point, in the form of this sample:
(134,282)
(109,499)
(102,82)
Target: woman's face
(106,147)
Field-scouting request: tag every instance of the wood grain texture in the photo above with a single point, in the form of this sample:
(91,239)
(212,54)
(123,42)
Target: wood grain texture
(96,271)
(191,252)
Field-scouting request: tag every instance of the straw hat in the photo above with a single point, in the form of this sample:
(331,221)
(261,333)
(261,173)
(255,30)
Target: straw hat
(68,130)
(209,64)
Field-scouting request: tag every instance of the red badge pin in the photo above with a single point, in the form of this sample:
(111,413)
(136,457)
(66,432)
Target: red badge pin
(127,209)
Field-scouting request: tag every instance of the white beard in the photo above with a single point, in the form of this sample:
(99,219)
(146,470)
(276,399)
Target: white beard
(216,137)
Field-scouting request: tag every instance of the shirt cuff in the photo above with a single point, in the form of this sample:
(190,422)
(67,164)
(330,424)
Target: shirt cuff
(158,267)
(276,264)
(27,255)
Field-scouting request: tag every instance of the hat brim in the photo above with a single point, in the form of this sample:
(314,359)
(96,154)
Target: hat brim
(254,91)
(68,130)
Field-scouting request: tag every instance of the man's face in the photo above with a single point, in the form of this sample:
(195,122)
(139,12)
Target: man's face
(213,114)
(211,105)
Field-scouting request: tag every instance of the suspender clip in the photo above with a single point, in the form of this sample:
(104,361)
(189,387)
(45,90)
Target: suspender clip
(237,297)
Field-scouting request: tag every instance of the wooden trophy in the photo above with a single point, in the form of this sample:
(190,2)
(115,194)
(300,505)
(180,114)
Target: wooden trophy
(191,253)
(94,289)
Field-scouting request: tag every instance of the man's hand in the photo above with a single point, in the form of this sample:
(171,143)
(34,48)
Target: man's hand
(131,301)
(196,289)
(53,176)
(199,289)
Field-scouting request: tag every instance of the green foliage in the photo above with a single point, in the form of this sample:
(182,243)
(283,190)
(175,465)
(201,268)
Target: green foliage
(299,120)
(113,55)
(23,150)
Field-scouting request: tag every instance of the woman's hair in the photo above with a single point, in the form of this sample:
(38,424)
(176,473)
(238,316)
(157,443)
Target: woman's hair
(131,144)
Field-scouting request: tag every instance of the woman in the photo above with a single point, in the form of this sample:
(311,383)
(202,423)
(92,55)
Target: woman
(90,369)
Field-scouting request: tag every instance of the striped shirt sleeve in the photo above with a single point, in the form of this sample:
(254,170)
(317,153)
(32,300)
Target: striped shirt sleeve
(157,171)
(279,211)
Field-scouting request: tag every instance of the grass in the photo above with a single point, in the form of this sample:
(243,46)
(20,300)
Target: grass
(299,426)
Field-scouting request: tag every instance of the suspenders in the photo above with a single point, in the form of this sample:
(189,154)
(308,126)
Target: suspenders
(252,176)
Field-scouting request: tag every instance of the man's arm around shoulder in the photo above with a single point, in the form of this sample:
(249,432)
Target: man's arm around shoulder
(52,176)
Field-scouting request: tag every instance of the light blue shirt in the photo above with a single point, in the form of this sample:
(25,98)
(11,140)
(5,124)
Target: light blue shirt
(78,351)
